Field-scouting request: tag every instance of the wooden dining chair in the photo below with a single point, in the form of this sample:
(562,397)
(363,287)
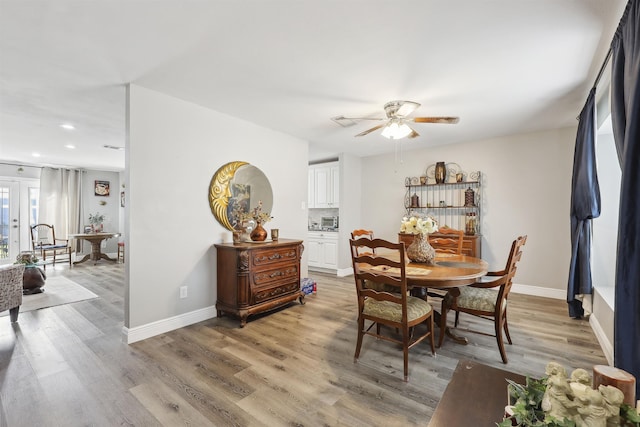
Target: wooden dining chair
(399,311)
(368,234)
(487,298)
(359,233)
(44,240)
(450,243)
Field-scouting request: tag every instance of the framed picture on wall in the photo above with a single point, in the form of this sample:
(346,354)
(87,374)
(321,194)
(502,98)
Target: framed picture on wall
(122,199)
(101,188)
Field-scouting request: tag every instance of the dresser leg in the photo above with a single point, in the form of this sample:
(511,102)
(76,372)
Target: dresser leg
(301,299)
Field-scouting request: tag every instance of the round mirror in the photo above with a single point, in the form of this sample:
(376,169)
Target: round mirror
(236,188)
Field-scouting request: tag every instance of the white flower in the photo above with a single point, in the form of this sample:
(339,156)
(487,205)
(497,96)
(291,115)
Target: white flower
(415,225)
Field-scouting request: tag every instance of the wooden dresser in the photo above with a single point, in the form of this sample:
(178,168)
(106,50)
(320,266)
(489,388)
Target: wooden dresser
(470,244)
(256,277)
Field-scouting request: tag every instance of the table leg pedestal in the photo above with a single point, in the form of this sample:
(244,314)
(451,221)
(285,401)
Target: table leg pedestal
(96,254)
(444,329)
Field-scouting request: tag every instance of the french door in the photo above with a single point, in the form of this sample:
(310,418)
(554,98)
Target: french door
(9,221)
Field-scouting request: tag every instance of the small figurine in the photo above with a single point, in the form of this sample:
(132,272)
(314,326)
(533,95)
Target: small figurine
(558,397)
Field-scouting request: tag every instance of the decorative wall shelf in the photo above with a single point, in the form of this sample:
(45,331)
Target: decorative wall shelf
(456,204)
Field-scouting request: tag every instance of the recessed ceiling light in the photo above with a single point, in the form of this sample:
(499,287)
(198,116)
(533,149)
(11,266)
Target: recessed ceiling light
(113,147)
(67,126)
(70,146)
(35,154)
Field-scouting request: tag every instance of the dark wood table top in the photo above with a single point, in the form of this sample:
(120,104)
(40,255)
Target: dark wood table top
(476,396)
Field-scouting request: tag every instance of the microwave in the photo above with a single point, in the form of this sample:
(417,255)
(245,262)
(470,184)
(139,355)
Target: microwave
(329,222)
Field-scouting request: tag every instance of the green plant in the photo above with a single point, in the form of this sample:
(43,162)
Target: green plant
(26,258)
(528,412)
(629,416)
(96,218)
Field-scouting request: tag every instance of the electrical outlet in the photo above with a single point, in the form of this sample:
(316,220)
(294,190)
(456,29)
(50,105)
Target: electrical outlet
(183,291)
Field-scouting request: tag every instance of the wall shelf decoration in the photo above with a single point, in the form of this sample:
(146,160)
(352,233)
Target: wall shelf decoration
(449,202)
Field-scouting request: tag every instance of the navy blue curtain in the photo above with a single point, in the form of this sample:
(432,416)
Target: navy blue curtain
(585,205)
(625,115)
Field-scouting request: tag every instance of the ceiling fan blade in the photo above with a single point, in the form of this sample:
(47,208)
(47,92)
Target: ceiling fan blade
(406,108)
(368,131)
(359,118)
(446,120)
(413,134)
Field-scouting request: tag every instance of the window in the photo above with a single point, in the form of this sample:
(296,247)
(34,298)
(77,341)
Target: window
(34,196)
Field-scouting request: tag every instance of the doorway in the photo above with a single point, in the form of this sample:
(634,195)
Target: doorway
(19,210)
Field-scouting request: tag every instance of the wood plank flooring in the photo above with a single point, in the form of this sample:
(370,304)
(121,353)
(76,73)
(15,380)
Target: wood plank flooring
(67,365)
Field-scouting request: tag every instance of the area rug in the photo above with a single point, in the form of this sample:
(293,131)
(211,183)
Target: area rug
(58,290)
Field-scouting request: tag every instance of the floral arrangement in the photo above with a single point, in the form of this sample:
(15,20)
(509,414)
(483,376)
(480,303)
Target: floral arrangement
(27,258)
(255,214)
(417,225)
(96,218)
(560,400)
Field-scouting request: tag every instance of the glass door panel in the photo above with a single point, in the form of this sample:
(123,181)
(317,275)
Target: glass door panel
(9,221)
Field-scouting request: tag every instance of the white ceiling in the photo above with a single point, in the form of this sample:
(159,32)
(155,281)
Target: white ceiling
(502,66)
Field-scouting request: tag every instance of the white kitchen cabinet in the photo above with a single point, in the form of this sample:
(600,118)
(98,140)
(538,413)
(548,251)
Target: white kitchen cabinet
(324,185)
(322,247)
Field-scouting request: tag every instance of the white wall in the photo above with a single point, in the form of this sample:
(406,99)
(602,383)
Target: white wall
(526,190)
(351,216)
(174,148)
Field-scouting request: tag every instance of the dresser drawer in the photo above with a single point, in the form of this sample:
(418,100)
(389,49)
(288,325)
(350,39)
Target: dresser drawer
(276,290)
(268,257)
(277,274)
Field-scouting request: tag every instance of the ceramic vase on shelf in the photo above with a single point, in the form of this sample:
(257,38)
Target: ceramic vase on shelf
(258,234)
(440,173)
(420,250)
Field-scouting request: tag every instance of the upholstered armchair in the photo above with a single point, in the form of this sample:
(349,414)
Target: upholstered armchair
(11,289)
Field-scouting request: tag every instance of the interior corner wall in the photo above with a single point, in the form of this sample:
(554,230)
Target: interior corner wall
(526,189)
(350,207)
(174,148)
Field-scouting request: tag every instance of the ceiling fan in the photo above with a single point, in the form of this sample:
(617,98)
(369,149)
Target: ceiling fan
(395,126)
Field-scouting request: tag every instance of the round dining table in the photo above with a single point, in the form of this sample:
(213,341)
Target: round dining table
(96,241)
(449,272)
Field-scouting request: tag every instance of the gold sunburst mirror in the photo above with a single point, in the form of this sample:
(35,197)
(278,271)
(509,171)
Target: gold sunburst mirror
(238,187)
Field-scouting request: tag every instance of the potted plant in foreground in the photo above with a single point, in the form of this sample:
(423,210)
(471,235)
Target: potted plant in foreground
(33,277)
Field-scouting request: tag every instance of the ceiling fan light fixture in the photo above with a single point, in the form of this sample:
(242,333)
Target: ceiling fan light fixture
(396,130)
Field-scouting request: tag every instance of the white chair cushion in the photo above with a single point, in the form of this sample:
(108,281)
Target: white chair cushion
(416,307)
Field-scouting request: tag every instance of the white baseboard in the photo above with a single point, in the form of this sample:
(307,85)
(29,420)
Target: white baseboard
(131,335)
(605,344)
(344,272)
(539,291)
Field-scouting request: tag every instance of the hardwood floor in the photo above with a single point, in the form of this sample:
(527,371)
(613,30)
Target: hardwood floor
(67,365)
